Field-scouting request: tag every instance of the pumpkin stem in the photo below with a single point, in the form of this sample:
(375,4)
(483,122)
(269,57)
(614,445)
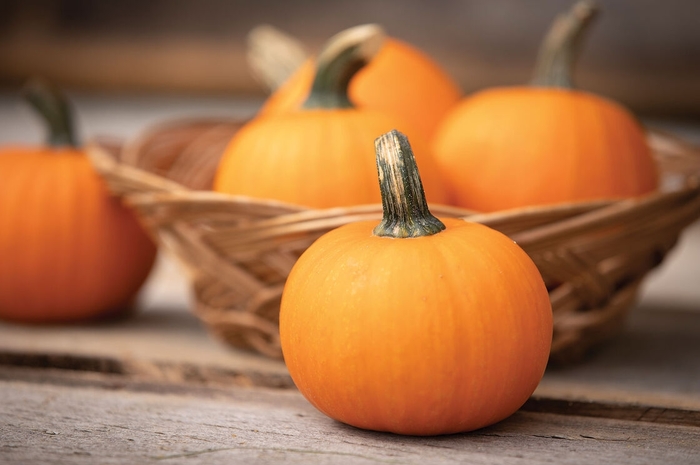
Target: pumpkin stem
(342,57)
(50,103)
(560,48)
(406,212)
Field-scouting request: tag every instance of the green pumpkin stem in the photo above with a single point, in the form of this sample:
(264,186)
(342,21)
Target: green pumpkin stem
(560,48)
(50,103)
(406,212)
(342,57)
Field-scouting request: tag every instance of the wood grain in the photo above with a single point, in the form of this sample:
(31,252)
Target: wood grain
(654,362)
(48,423)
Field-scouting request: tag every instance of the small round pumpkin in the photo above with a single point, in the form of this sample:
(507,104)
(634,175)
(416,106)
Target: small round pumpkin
(415,326)
(400,80)
(69,250)
(545,144)
(319,156)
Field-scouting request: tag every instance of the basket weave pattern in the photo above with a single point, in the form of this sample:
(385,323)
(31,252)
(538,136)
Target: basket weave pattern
(593,256)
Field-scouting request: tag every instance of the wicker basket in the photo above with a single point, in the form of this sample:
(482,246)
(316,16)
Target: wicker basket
(593,256)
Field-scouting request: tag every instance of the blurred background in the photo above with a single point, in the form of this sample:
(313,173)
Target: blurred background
(129,64)
(644,53)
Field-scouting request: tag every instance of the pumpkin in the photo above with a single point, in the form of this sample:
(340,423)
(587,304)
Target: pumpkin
(544,144)
(400,80)
(69,250)
(416,325)
(319,156)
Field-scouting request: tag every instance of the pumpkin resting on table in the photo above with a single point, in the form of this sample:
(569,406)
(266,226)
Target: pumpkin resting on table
(319,156)
(69,250)
(512,147)
(415,326)
(400,80)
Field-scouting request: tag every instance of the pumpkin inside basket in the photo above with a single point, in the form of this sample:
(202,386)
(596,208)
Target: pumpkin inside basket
(593,256)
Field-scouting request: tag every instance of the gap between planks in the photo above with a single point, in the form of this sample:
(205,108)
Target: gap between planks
(213,382)
(62,416)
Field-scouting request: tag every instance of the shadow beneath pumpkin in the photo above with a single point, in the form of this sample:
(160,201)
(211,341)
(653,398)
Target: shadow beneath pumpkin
(110,317)
(131,316)
(519,426)
(365,436)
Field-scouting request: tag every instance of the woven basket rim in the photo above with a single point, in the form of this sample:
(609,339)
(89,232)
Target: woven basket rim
(163,190)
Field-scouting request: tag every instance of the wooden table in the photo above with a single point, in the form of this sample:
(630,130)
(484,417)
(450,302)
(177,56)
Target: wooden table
(157,388)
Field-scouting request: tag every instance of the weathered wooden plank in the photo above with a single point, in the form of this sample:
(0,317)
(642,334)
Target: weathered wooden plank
(654,362)
(624,411)
(152,370)
(646,409)
(49,423)
(657,354)
(162,334)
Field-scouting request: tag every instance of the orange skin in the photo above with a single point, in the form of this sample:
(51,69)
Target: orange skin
(316,158)
(400,80)
(69,251)
(514,147)
(423,336)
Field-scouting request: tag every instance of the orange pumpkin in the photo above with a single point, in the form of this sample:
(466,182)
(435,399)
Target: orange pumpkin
(415,326)
(321,155)
(518,146)
(69,250)
(400,80)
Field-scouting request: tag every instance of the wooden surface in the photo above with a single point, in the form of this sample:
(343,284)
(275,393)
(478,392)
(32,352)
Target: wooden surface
(87,422)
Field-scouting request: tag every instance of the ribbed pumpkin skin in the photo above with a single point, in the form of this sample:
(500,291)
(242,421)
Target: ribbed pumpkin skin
(513,147)
(315,158)
(422,336)
(69,251)
(400,80)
